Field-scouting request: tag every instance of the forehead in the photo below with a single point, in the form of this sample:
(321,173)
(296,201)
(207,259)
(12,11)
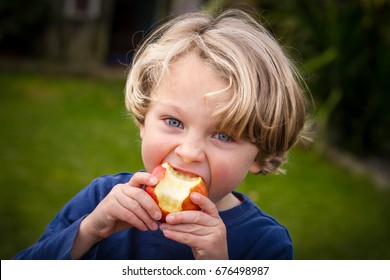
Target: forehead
(191,78)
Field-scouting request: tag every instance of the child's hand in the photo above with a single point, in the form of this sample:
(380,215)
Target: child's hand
(126,206)
(204,231)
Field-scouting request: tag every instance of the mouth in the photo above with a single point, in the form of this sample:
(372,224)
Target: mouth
(184,173)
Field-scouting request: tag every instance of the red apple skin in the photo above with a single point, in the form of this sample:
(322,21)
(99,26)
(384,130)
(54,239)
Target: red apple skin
(187,204)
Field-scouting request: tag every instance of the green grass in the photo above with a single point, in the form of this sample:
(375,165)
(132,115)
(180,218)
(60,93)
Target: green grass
(60,132)
(330,213)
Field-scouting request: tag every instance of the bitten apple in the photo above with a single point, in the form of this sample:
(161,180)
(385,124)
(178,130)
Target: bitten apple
(172,193)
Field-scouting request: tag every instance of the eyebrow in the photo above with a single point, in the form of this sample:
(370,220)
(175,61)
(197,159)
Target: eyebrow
(170,106)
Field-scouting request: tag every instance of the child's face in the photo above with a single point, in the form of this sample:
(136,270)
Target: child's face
(179,129)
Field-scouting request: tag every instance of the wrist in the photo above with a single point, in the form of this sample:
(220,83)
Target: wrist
(85,239)
(89,232)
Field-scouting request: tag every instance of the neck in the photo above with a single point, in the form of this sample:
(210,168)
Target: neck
(227,202)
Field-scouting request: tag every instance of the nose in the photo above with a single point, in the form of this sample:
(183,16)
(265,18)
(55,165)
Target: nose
(191,150)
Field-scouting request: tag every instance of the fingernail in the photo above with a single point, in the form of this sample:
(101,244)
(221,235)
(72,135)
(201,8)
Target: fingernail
(157,215)
(170,218)
(153,180)
(154,226)
(195,196)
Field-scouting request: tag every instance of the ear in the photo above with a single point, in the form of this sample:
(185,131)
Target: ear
(141,131)
(254,168)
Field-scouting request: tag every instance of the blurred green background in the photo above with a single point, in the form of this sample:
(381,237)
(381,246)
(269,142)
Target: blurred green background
(63,119)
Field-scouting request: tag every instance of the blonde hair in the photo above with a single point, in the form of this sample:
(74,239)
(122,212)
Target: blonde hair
(267,106)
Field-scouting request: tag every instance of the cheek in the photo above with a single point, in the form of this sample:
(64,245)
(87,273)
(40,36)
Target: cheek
(154,150)
(150,154)
(225,178)
(228,173)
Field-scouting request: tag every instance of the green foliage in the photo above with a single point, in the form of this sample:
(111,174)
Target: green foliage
(344,47)
(61,132)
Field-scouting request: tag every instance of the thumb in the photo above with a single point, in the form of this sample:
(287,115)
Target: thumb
(205,204)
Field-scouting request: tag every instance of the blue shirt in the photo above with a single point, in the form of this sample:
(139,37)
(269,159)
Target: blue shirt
(251,234)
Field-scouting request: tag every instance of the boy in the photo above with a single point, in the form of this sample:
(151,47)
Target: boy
(212,96)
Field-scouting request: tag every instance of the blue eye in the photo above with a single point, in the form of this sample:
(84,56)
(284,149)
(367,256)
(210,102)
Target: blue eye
(223,137)
(174,122)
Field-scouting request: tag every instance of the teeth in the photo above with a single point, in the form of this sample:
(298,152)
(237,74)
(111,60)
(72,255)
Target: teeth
(180,175)
(183,176)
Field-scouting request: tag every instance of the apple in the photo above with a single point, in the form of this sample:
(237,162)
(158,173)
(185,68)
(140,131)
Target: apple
(172,192)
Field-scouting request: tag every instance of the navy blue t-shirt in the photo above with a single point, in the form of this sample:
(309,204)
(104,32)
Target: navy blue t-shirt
(251,233)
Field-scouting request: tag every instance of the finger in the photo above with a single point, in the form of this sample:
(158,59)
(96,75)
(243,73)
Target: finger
(113,215)
(181,237)
(145,201)
(141,179)
(136,215)
(131,212)
(195,237)
(197,218)
(202,239)
(140,207)
(132,219)
(195,229)
(205,204)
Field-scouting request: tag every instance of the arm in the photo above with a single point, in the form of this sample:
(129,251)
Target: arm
(126,206)
(91,216)
(55,243)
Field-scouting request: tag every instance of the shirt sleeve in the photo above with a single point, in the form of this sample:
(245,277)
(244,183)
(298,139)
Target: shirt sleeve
(53,244)
(57,240)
